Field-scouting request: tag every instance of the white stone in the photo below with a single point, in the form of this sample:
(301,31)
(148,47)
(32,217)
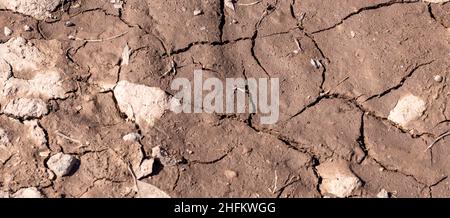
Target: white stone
(27,28)
(337,179)
(142,104)
(31,192)
(408,108)
(7,31)
(146,168)
(146,190)
(26,108)
(438,78)
(39,9)
(132,137)
(383,194)
(197,12)
(61,164)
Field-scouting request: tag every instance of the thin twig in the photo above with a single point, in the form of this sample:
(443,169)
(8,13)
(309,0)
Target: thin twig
(249,4)
(98,40)
(57,132)
(438,139)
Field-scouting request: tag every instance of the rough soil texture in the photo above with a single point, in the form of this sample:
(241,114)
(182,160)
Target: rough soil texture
(363,93)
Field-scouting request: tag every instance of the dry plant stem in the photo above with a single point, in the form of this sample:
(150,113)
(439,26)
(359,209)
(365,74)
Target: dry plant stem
(249,4)
(101,40)
(438,139)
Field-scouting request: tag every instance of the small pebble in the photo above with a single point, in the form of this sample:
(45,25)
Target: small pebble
(438,78)
(352,34)
(197,12)
(316,63)
(383,194)
(132,137)
(69,23)
(230,174)
(7,31)
(27,28)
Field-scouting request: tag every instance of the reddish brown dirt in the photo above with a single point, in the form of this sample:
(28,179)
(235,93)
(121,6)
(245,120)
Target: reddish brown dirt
(372,53)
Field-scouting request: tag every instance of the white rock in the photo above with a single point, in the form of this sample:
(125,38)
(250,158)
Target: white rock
(7,31)
(383,194)
(141,103)
(146,190)
(36,133)
(61,164)
(230,4)
(27,28)
(408,108)
(39,9)
(197,12)
(438,78)
(132,137)
(230,174)
(26,108)
(31,192)
(146,168)
(337,179)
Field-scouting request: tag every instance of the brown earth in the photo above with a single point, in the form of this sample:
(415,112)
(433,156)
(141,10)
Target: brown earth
(337,135)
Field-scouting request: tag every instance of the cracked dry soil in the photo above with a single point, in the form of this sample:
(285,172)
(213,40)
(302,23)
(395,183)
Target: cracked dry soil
(363,93)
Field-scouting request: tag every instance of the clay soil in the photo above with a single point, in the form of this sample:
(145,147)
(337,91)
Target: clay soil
(343,66)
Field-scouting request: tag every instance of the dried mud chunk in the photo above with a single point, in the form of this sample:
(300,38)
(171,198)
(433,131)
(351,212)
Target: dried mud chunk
(341,122)
(174,22)
(4,143)
(36,132)
(141,103)
(4,194)
(61,164)
(47,85)
(39,9)
(288,57)
(315,14)
(4,139)
(400,152)
(26,108)
(383,53)
(31,192)
(408,108)
(20,55)
(337,179)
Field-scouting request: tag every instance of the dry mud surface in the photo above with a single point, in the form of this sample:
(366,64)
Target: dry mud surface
(363,93)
